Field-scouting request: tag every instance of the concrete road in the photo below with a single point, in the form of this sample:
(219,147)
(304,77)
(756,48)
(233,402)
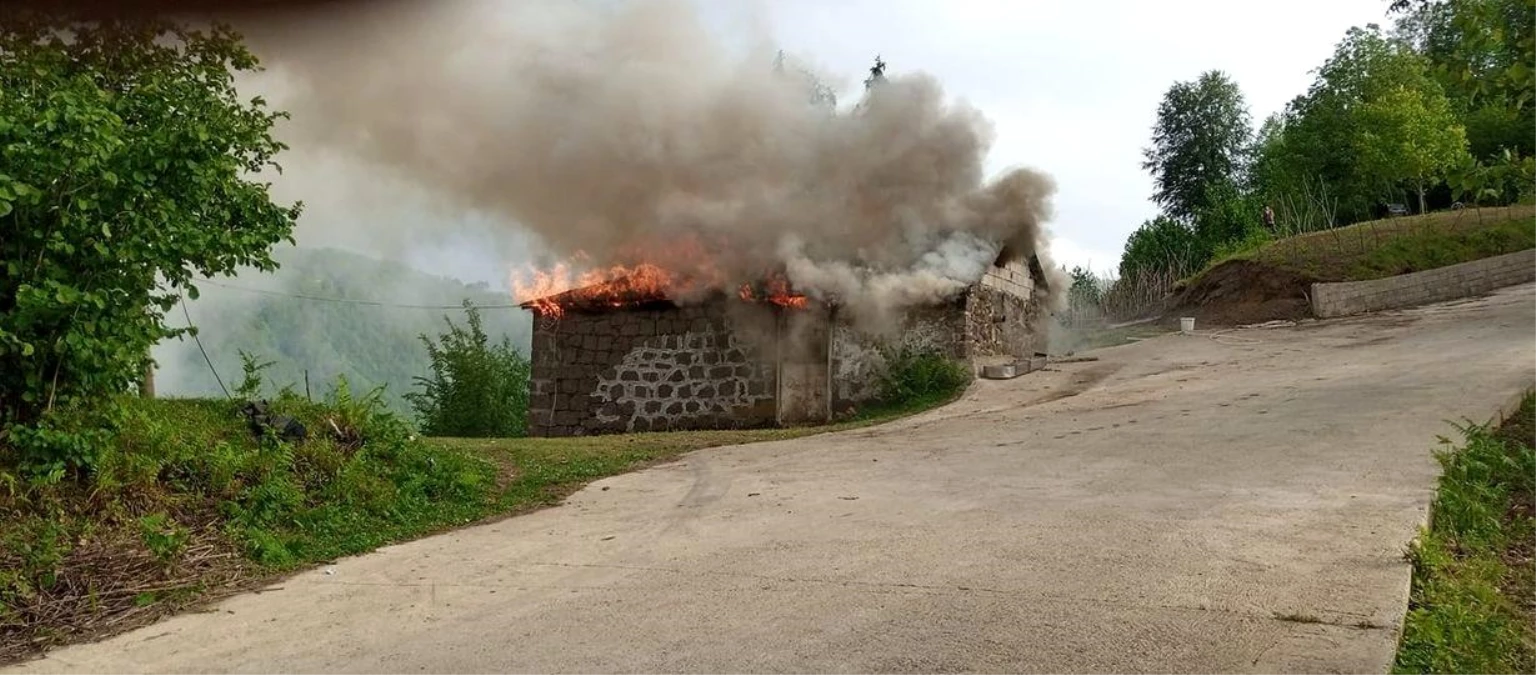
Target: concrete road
(1229,502)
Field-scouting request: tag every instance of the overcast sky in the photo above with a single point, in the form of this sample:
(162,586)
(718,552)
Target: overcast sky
(1073,85)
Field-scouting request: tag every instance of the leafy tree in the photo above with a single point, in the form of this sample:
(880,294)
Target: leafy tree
(127,169)
(477,388)
(1483,54)
(1162,246)
(1325,130)
(1199,140)
(1086,291)
(1409,135)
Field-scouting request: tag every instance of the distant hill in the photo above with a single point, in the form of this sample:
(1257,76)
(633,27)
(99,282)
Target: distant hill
(372,345)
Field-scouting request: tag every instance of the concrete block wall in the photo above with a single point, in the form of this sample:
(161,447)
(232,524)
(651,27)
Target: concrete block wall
(1012,277)
(1422,288)
(648,370)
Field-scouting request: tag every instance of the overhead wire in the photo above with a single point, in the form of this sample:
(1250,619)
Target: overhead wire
(199,342)
(347,301)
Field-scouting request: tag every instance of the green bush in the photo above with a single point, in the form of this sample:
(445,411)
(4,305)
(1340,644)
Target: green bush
(477,389)
(915,377)
(1163,245)
(182,477)
(130,164)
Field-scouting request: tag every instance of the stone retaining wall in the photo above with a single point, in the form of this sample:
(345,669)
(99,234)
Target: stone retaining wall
(1422,288)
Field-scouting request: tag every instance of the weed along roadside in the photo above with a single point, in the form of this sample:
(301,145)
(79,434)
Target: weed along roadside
(1473,602)
(186,505)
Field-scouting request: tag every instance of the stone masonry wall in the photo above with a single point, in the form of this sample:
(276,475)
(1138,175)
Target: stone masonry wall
(648,370)
(1004,316)
(1001,327)
(1422,288)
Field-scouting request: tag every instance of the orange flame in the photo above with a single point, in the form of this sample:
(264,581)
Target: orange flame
(550,292)
(617,286)
(775,290)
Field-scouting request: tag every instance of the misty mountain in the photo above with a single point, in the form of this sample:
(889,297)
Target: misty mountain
(371,345)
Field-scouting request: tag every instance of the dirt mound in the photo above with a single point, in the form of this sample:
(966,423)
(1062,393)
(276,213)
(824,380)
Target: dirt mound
(1241,292)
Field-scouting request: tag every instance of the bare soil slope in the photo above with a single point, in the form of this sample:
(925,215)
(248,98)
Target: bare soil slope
(1238,292)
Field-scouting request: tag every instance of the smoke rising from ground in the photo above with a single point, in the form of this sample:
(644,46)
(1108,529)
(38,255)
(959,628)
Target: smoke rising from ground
(633,134)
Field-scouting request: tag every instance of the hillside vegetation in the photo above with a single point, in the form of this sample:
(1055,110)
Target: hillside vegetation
(1272,280)
(1382,248)
(372,346)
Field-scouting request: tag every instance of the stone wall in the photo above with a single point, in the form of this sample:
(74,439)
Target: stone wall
(1001,327)
(1422,288)
(719,364)
(654,369)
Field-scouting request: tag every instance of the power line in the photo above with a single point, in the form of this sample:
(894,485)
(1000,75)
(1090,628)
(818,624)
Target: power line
(199,341)
(346,301)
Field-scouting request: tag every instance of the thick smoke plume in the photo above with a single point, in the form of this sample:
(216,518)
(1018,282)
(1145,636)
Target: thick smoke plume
(630,133)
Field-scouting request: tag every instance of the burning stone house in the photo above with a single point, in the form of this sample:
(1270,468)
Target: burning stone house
(615,358)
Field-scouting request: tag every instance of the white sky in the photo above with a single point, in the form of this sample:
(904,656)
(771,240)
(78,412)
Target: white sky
(1073,85)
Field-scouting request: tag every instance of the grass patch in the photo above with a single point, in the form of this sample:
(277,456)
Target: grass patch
(1473,604)
(185,500)
(1383,248)
(187,505)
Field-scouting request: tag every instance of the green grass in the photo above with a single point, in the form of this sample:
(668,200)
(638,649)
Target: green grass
(186,505)
(1393,246)
(1473,605)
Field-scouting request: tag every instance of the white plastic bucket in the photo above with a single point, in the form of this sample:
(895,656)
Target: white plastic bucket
(1187,324)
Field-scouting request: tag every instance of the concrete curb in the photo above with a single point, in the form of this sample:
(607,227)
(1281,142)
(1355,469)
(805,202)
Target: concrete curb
(1509,407)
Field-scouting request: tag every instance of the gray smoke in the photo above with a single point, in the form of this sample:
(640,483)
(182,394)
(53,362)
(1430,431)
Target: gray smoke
(630,133)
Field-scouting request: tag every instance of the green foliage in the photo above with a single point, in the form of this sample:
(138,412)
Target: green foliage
(1200,139)
(1409,135)
(1228,215)
(371,346)
(163,536)
(179,472)
(360,479)
(1355,105)
(1163,245)
(1465,614)
(250,376)
(914,377)
(477,388)
(127,156)
(1087,290)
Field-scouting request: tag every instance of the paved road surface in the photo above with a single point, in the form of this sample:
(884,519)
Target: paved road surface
(1157,510)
